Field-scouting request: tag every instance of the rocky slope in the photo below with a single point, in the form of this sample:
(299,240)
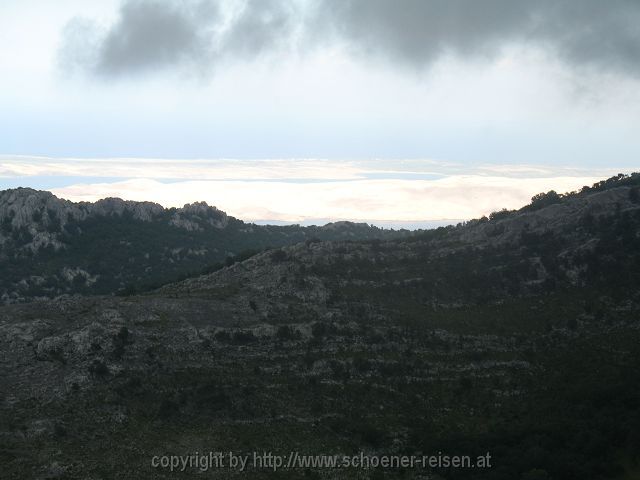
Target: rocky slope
(518,335)
(50,246)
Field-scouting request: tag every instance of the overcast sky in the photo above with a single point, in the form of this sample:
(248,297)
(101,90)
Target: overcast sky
(468,83)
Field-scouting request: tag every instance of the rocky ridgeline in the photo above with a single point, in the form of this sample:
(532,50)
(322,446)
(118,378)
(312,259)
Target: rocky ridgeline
(562,217)
(37,211)
(43,216)
(560,243)
(50,246)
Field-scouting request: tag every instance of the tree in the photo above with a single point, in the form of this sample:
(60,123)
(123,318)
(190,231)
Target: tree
(499,214)
(542,200)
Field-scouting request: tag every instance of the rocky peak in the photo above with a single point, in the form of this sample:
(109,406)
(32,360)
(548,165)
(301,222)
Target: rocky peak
(35,210)
(33,220)
(194,215)
(145,211)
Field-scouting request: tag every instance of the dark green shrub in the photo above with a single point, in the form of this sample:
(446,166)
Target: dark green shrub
(98,369)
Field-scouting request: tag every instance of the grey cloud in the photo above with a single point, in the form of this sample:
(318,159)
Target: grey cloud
(603,35)
(151,34)
(420,31)
(263,25)
(194,34)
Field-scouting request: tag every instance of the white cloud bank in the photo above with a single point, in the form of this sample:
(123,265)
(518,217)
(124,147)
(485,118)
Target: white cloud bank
(400,192)
(374,201)
(12,166)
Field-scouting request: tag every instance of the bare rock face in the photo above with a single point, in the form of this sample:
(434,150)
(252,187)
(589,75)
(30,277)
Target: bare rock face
(36,210)
(39,211)
(145,211)
(192,216)
(43,215)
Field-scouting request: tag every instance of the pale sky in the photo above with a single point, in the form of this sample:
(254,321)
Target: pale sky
(326,102)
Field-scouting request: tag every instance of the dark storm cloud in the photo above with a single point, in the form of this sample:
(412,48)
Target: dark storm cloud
(157,34)
(601,34)
(150,34)
(419,31)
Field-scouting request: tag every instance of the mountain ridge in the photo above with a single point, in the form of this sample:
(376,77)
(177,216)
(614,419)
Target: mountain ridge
(51,246)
